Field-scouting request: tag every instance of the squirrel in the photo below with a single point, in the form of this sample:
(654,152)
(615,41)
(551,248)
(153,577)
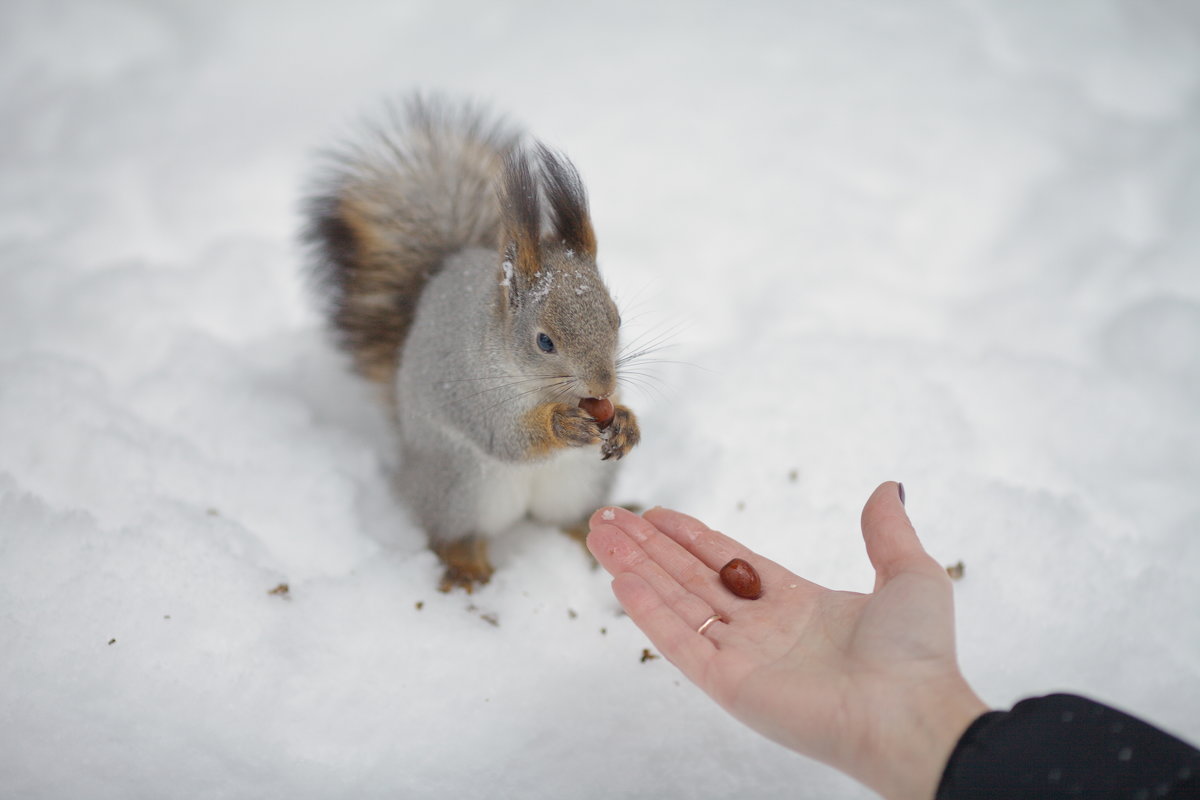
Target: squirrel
(458,267)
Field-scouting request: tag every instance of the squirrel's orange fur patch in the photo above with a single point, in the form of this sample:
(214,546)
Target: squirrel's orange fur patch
(539,421)
(466,562)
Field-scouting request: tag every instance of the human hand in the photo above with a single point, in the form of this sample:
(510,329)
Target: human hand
(868,683)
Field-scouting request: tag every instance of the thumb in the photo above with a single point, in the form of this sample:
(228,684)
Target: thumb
(892,543)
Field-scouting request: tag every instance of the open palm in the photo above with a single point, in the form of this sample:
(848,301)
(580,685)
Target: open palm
(839,676)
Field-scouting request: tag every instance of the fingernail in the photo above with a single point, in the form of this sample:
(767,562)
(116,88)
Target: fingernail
(900,486)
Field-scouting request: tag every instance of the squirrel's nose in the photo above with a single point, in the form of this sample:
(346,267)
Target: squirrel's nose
(601,383)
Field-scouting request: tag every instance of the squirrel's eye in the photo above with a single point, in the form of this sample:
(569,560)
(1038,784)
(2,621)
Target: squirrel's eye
(545,343)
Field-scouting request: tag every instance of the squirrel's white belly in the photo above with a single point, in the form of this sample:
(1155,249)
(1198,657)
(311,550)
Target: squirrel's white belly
(562,490)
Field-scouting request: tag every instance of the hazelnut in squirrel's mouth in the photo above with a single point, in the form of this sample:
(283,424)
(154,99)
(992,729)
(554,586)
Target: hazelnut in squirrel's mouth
(599,408)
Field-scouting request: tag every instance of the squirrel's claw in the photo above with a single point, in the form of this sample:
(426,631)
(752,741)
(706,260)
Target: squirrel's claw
(621,435)
(458,578)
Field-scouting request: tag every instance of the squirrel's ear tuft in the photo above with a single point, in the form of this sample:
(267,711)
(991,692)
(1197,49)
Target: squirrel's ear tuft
(521,213)
(568,201)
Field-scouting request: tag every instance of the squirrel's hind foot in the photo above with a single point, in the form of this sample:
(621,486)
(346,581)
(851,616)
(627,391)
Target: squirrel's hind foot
(466,563)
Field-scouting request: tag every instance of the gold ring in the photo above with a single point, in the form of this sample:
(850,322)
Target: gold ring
(704,626)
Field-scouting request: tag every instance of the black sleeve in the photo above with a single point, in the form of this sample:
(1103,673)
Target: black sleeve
(1064,746)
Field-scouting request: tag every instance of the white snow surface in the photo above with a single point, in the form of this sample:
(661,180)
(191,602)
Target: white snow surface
(950,243)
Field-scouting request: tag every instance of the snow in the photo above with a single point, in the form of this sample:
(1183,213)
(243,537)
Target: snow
(541,289)
(953,244)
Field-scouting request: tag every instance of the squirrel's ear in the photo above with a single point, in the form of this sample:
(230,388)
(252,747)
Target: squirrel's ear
(568,201)
(521,214)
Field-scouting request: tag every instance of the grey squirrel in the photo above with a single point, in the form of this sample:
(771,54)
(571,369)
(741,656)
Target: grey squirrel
(459,267)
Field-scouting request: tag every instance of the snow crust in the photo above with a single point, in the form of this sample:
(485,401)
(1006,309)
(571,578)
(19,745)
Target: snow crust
(953,244)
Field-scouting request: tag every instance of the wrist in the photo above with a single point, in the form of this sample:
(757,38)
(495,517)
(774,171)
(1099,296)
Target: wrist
(913,744)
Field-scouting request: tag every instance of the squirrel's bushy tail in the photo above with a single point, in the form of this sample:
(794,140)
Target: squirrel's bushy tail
(418,187)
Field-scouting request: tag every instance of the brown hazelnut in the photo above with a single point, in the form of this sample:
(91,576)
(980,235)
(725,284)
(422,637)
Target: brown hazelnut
(741,579)
(599,409)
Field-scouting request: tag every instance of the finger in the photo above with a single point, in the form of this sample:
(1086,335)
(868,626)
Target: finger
(618,553)
(671,635)
(716,549)
(892,543)
(681,564)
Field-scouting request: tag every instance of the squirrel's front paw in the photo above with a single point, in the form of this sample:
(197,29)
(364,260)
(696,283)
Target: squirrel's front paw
(573,426)
(621,434)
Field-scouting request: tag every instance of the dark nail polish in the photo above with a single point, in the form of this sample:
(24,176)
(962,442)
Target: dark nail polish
(900,486)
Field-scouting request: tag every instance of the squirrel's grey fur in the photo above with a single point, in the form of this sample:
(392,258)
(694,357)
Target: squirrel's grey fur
(446,282)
